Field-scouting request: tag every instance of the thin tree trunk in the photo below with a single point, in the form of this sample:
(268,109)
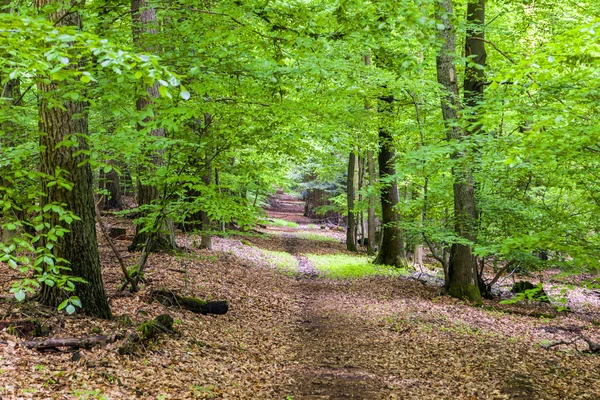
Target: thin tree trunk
(371,228)
(144,28)
(462,281)
(350,190)
(360,186)
(79,245)
(206,241)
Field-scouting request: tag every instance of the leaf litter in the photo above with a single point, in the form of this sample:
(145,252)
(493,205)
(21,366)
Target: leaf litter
(298,336)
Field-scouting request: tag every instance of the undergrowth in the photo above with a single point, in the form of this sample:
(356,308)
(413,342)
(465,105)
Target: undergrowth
(284,262)
(316,237)
(280,222)
(343,266)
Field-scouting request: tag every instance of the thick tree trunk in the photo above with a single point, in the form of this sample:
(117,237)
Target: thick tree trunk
(144,28)
(391,250)
(79,245)
(350,193)
(372,199)
(462,281)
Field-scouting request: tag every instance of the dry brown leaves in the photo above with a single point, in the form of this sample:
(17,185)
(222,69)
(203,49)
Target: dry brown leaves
(374,338)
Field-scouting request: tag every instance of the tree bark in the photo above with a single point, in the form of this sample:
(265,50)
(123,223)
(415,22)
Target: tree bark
(206,241)
(350,192)
(372,199)
(391,250)
(11,93)
(144,24)
(112,184)
(462,281)
(79,245)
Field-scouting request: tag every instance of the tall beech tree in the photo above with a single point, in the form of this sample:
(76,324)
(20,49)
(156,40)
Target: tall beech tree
(65,121)
(461,277)
(391,246)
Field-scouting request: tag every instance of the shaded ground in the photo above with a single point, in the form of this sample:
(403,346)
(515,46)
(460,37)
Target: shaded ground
(299,336)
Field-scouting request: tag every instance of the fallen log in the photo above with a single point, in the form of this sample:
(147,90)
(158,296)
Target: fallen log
(73,343)
(170,299)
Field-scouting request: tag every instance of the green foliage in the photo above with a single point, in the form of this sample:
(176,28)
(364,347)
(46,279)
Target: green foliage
(316,237)
(343,266)
(279,222)
(283,261)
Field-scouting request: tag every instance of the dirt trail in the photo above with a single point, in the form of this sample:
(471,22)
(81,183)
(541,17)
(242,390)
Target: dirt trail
(395,338)
(325,365)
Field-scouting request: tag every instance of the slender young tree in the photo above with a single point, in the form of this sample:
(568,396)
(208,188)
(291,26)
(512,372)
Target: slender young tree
(350,193)
(371,228)
(461,279)
(69,121)
(162,237)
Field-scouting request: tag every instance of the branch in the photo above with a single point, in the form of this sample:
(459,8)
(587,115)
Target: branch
(128,278)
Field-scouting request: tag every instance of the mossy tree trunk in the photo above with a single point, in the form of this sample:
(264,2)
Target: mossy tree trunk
(79,245)
(461,280)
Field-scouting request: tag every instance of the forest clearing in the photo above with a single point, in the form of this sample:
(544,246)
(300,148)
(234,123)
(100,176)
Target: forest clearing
(300,199)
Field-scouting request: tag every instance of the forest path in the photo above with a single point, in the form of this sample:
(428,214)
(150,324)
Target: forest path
(395,338)
(332,359)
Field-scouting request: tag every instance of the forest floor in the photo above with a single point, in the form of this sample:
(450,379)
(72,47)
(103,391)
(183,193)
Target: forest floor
(293,332)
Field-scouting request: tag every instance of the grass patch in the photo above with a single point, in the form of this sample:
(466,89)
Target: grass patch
(316,237)
(343,266)
(284,262)
(279,222)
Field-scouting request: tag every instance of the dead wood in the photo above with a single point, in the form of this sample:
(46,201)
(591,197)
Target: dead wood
(170,299)
(145,332)
(108,237)
(593,347)
(74,343)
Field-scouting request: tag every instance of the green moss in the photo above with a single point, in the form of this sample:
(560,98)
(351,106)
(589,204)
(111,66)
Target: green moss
(466,292)
(345,266)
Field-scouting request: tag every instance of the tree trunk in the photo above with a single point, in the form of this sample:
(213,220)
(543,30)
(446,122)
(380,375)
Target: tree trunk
(350,190)
(372,199)
(112,184)
(79,245)
(462,279)
(206,241)
(391,250)
(144,28)
(11,92)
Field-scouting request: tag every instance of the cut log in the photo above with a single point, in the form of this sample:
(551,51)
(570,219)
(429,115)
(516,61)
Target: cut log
(171,299)
(74,343)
